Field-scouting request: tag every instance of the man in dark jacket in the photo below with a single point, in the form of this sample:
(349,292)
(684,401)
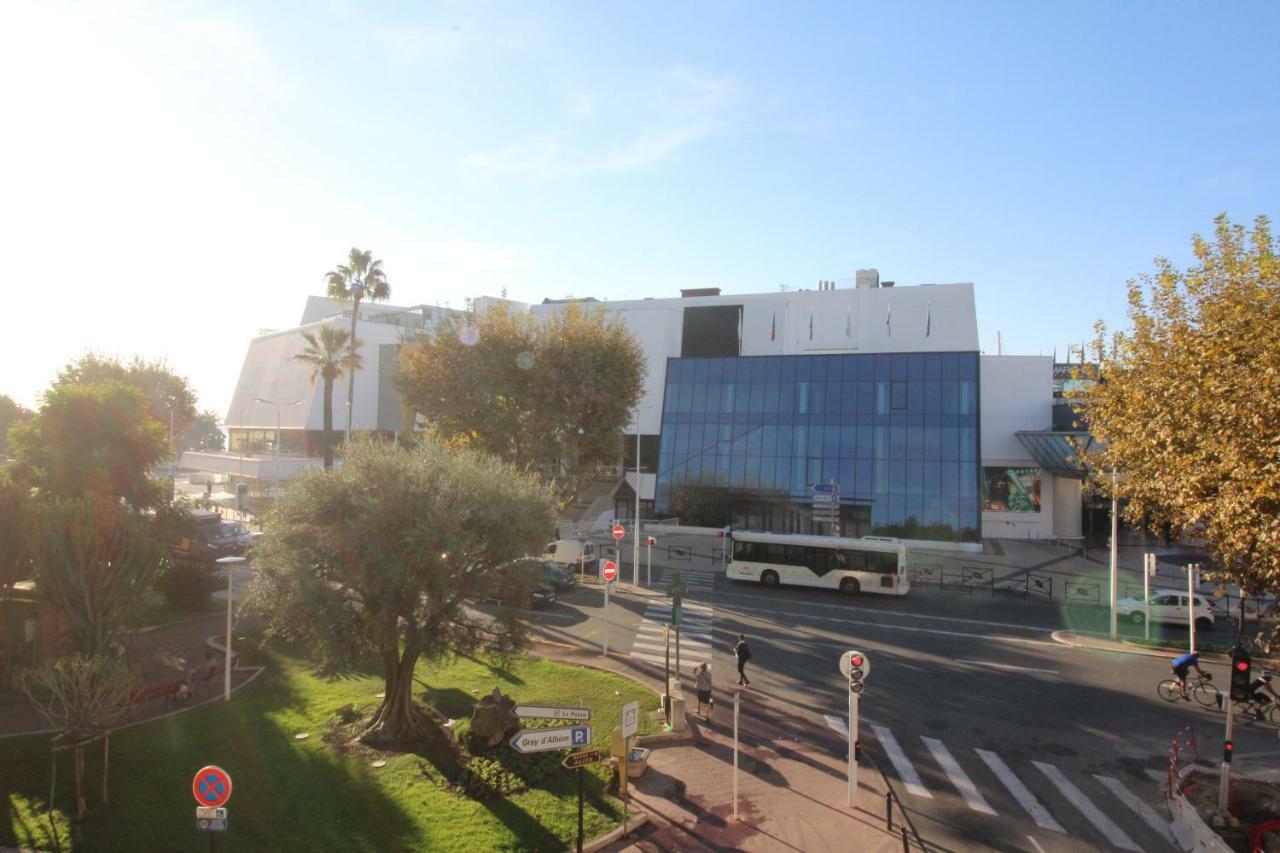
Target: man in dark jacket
(744,655)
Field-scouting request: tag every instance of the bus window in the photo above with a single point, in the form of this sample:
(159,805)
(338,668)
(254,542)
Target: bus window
(855,561)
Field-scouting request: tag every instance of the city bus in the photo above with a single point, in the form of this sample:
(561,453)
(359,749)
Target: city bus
(870,564)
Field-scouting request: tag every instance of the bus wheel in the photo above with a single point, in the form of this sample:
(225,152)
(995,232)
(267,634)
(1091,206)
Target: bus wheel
(850,586)
(769,578)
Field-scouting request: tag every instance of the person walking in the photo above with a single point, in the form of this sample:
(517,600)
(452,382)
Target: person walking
(743,653)
(703,685)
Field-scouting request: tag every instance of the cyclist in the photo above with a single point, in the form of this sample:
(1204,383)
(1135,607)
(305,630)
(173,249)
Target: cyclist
(1262,694)
(1182,664)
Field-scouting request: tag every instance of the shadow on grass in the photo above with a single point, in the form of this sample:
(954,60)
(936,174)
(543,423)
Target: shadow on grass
(290,795)
(449,701)
(496,668)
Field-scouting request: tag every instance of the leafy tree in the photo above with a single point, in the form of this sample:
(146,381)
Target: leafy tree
(1188,401)
(14,565)
(359,278)
(329,357)
(165,392)
(94,558)
(91,439)
(202,434)
(380,557)
(10,414)
(550,396)
(83,697)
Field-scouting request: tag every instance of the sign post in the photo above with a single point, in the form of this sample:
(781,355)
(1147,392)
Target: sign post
(609,572)
(1148,569)
(212,788)
(648,566)
(854,666)
(1192,571)
(229,563)
(737,696)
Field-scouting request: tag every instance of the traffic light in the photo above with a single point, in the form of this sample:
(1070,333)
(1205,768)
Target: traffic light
(857,752)
(1241,667)
(1228,750)
(857,671)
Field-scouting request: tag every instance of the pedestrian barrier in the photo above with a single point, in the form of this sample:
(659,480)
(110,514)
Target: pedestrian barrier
(926,574)
(1083,593)
(967,578)
(1025,585)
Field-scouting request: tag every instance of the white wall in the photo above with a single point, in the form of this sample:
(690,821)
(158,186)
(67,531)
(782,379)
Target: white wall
(1016,394)
(1067,507)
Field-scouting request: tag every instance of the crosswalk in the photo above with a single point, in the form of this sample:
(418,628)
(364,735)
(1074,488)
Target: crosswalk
(695,580)
(1047,795)
(695,633)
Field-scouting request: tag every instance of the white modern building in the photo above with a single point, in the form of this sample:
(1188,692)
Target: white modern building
(875,394)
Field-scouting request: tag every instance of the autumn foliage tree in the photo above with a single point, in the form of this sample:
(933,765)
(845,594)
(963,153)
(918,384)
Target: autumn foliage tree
(549,395)
(384,556)
(1188,402)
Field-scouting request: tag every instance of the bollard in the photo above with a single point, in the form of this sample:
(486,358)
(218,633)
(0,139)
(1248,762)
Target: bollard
(888,809)
(906,846)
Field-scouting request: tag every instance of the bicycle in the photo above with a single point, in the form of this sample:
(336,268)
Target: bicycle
(1253,711)
(1201,687)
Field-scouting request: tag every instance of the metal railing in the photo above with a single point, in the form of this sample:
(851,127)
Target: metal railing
(906,829)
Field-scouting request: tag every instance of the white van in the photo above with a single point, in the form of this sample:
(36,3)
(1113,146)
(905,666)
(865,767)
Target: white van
(571,553)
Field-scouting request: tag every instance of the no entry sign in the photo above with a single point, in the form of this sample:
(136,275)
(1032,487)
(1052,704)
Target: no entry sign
(609,570)
(619,531)
(212,786)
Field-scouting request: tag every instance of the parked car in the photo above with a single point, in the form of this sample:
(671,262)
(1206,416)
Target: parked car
(550,572)
(1167,605)
(520,583)
(232,539)
(206,539)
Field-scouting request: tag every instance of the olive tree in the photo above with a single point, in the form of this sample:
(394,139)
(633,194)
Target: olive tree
(386,556)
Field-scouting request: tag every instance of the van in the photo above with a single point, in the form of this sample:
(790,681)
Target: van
(208,537)
(571,553)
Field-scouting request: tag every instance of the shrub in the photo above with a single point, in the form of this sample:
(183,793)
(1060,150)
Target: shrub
(187,584)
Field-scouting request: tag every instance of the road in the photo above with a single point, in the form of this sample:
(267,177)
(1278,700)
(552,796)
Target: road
(995,735)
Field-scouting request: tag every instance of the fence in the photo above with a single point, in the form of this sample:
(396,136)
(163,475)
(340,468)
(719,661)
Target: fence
(1082,592)
(968,578)
(1028,585)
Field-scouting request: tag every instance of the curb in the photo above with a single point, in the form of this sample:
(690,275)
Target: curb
(633,823)
(1148,651)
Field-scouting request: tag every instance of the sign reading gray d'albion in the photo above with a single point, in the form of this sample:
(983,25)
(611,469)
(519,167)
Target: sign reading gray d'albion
(545,740)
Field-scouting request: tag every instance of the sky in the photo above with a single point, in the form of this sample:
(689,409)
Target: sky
(177,176)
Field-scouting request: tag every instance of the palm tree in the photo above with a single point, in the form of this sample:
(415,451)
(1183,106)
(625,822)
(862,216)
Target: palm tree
(360,277)
(329,356)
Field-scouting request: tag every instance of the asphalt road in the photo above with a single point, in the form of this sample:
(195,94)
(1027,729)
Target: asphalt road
(995,735)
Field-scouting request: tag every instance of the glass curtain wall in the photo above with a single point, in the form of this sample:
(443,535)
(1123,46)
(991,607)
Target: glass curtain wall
(744,440)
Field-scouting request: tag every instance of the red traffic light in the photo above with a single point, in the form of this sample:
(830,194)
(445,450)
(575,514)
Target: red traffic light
(1242,665)
(857,660)
(1229,746)
(857,750)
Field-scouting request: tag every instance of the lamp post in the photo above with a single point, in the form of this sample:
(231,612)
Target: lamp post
(635,534)
(230,564)
(1115,530)
(275,449)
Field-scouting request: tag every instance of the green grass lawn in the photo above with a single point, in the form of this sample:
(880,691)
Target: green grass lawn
(305,795)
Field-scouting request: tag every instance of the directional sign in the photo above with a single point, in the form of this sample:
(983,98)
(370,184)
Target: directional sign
(825,498)
(630,718)
(824,487)
(574,760)
(554,712)
(609,570)
(545,740)
(619,531)
(211,786)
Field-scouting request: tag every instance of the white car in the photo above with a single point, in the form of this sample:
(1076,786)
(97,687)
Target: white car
(1167,605)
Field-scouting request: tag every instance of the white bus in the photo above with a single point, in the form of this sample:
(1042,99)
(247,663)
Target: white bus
(870,564)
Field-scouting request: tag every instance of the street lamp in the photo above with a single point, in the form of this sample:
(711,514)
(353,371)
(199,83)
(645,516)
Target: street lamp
(230,564)
(275,450)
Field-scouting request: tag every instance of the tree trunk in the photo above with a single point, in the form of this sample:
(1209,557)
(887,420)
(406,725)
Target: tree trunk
(106,758)
(327,436)
(398,722)
(77,760)
(351,376)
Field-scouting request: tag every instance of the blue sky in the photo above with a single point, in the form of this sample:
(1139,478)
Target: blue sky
(184,173)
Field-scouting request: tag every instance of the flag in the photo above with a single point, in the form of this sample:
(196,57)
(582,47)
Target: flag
(848,321)
(773,327)
(810,325)
(888,321)
(928,323)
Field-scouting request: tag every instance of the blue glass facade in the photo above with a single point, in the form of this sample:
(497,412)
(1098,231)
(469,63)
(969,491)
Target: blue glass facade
(744,440)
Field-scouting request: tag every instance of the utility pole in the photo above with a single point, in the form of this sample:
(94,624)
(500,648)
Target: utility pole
(1115,530)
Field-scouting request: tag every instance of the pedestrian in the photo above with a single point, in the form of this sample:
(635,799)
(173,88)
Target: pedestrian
(743,653)
(703,685)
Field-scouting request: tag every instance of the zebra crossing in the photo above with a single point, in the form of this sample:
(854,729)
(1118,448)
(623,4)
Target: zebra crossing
(696,580)
(695,633)
(1046,794)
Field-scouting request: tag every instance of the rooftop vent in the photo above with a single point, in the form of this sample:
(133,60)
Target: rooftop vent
(699,291)
(886,284)
(826,285)
(867,278)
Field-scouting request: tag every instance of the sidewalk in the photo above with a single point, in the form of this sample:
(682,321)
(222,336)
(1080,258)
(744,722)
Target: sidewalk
(792,782)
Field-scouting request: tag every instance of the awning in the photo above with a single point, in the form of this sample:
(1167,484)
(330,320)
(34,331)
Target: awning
(1057,452)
